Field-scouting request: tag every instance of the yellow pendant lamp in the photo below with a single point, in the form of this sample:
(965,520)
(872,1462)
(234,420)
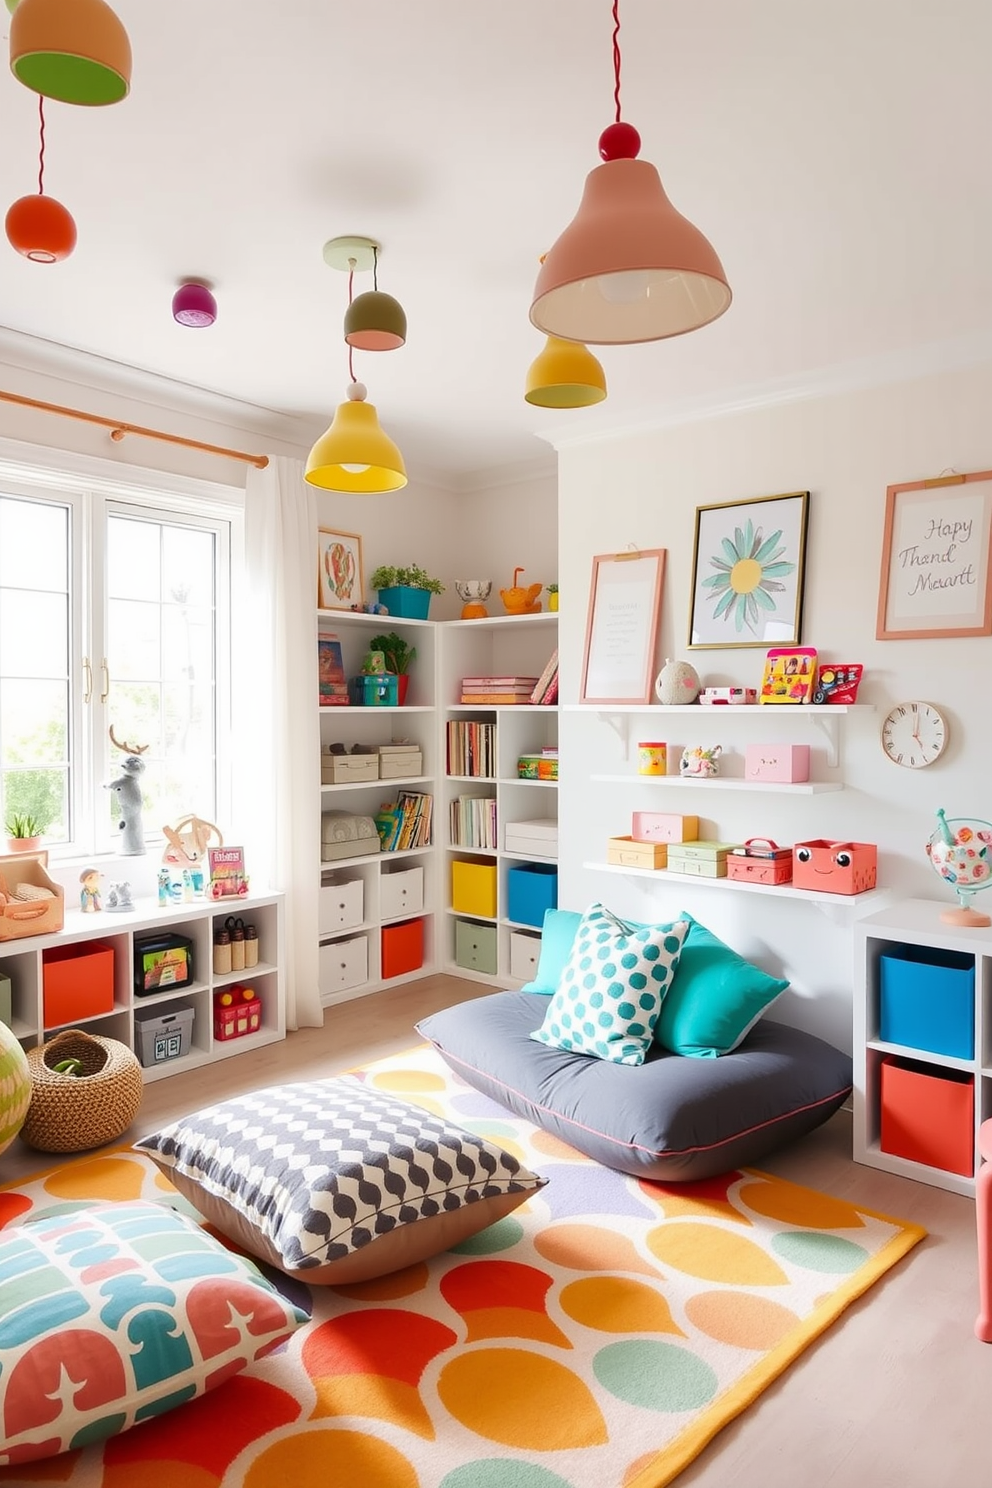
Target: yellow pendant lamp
(354,455)
(75,51)
(565,375)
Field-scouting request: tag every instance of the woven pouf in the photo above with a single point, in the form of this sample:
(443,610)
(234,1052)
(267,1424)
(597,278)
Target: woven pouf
(73,1112)
(15,1087)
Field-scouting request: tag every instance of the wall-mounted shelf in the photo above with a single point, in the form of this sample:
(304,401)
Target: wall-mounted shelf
(723,782)
(740,886)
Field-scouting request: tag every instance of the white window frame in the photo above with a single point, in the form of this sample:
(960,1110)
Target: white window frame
(67,477)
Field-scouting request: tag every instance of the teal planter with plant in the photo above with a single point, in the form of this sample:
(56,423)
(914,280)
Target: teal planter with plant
(405,592)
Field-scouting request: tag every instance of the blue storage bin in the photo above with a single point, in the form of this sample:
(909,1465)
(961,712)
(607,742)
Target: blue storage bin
(531,888)
(927,1000)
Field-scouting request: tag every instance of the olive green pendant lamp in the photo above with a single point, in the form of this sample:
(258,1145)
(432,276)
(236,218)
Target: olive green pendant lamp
(355,456)
(75,51)
(565,375)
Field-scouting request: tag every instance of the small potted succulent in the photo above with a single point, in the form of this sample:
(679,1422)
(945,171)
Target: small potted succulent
(24,832)
(552,596)
(405,592)
(400,656)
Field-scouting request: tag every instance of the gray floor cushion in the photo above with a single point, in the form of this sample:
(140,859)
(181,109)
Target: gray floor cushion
(671,1119)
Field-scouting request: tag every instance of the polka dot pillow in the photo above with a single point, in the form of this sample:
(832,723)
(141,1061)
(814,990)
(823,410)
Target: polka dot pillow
(611,991)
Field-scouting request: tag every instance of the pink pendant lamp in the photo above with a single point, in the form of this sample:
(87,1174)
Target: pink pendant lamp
(628,267)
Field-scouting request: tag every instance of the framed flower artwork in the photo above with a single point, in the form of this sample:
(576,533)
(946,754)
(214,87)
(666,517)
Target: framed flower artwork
(748,567)
(340,580)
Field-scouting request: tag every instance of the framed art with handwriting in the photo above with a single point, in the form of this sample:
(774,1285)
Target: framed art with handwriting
(622,626)
(936,553)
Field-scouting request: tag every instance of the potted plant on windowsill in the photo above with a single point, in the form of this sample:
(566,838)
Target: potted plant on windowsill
(24,832)
(405,592)
(400,656)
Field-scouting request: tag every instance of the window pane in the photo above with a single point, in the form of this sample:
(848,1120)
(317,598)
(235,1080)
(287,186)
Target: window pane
(135,639)
(35,722)
(34,544)
(133,559)
(34,634)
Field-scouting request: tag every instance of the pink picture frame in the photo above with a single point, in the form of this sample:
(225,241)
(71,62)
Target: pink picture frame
(936,575)
(618,663)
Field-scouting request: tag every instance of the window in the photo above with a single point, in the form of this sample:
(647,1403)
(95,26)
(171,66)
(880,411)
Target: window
(114,626)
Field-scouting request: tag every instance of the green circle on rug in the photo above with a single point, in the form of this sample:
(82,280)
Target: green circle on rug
(656,1376)
(493,1473)
(819,1252)
(502,1235)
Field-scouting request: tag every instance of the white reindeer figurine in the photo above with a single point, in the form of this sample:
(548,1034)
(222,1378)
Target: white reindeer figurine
(128,788)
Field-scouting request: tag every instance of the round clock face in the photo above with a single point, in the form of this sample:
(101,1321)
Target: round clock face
(914,735)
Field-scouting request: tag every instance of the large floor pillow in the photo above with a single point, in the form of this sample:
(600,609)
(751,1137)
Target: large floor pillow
(671,1118)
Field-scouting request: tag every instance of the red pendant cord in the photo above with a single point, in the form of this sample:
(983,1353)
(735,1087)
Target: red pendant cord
(41,154)
(616,56)
(351,349)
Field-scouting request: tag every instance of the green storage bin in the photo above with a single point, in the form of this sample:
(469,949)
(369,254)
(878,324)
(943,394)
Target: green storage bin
(475,946)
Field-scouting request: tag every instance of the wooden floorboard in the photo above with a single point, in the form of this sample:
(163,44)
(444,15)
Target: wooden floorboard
(893,1395)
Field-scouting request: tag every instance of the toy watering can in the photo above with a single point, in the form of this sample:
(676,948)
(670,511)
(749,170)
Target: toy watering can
(519,600)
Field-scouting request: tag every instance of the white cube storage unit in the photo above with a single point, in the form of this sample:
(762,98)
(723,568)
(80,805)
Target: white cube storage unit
(401,892)
(341,906)
(343,965)
(525,952)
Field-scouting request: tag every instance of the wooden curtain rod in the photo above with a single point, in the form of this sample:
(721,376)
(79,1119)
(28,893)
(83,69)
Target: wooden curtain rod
(119,429)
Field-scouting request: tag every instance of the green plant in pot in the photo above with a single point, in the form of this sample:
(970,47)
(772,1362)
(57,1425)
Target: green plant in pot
(24,831)
(405,592)
(552,596)
(400,656)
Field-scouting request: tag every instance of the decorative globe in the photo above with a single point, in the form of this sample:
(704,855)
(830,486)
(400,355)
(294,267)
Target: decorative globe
(960,850)
(15,1087)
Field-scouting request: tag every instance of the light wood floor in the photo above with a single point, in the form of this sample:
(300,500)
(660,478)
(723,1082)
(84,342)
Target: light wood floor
(894,1395)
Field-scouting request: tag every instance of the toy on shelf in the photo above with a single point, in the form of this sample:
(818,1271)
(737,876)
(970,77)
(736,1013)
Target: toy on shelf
(789,675)
(519,600)
(474,593)
(699,763)
(676,683)
(119,897)
(89,890)
(188,843)
(959,852)
(834,867)
(227,872)
(838,683)
(731,696)
(128,788)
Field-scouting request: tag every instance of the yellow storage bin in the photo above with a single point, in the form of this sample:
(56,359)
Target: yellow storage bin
(473,888)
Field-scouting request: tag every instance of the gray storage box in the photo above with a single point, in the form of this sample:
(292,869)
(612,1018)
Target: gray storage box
(345,835)
(475,946)
(162,1037)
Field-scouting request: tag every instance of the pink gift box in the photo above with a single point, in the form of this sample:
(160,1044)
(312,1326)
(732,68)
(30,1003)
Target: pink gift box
(785,763)
(663,826)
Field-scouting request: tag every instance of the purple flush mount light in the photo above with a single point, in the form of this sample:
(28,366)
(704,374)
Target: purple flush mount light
(194,305)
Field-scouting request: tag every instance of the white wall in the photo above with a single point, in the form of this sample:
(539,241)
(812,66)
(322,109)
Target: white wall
(845,450)
(507,526)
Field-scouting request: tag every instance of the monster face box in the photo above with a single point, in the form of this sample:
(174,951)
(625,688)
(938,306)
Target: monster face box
(161,962)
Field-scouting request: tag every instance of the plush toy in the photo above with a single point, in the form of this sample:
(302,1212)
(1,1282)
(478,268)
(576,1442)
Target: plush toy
(128,788)
(677,682)
(700,763)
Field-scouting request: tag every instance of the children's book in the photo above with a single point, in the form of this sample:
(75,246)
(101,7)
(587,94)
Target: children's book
(227,872)
(332,683)
(789,675)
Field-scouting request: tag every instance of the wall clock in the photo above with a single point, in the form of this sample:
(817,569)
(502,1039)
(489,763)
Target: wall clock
(914,734)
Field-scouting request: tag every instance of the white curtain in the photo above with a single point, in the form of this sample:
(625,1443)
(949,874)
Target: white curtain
(277,733)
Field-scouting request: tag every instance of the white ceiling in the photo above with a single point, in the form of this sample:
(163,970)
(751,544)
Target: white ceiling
(836,152)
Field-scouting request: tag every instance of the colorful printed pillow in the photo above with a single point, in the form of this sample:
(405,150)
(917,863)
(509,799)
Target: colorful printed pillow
(114,1313)
(716,998)
(612,988)
(336,1182)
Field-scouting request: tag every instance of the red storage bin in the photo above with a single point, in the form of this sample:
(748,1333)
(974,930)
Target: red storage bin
(928,1115)
(402,948)
(77,982)
(240,1017)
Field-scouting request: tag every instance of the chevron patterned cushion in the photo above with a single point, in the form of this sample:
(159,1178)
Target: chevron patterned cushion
(335,1181)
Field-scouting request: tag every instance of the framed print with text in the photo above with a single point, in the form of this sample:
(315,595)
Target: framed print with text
(748,568)
(340,579)
(935,559)
(622,626)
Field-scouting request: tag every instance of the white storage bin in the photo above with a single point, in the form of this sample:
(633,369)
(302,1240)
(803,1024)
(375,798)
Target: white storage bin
(402,893)
(538,839)
(343,964)
(340,906)
(525,951)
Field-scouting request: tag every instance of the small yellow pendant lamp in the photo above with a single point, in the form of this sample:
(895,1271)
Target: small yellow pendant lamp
(354,455)
(75,51)
(565,375)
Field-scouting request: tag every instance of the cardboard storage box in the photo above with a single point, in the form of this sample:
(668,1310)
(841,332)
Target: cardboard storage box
(402,948)
(345,835)
(531,888)
(475,946)
(834,867)
(626,852)
(340,906)
(537,838)
(347,769)
(926,1000)
(21,917)
(785,763)
(473,888)
(162,1036)
(401,893)
(77,982)
(525,952)
(927,1115)
(400,762)
(343,964)
(663,826)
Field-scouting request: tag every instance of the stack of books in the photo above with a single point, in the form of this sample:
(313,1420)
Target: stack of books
(405,822)
(471,748)
(487,691)
(330,671)
(473,821)
(546,688)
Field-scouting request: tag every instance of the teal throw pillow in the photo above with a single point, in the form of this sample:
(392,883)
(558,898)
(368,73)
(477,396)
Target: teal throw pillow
(612,988)
(557,936)
(715,998)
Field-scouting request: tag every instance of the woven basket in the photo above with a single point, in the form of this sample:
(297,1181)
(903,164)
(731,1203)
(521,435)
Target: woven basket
(71,1113)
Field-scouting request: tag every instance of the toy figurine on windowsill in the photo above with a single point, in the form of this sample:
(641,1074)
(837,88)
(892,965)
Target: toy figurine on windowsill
(89,890)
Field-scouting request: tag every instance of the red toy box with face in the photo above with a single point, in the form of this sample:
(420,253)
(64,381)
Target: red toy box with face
(834,867)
